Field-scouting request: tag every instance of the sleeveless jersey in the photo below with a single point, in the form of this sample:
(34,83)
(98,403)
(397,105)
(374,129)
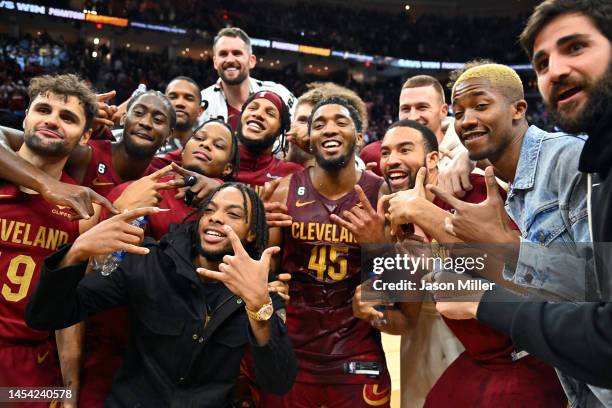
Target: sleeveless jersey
(100,175)
(325,262)
(30,230)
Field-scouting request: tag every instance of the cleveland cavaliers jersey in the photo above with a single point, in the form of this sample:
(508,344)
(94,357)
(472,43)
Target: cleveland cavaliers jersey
(325,262)
(100,175)
(30,230)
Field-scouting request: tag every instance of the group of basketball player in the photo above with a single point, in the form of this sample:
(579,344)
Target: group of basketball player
(82,170)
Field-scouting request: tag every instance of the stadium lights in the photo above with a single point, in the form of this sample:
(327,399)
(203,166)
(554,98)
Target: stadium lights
(368,60)
(96,41)
(94,54)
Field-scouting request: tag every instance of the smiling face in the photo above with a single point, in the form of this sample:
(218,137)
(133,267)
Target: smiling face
(185,99)
(227,207)
(232,60)
(424,105)
(147,125)
(484,118)
(208,151)
(260,124)
(54,125)
(402,154)
(573,62)
(333,137)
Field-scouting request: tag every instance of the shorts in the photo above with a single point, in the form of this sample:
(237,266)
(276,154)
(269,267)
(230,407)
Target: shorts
(306,395)
(30,365)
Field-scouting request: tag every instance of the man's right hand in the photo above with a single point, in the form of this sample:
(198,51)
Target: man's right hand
(113,234)
(78,198)
(277,214)
(455,177)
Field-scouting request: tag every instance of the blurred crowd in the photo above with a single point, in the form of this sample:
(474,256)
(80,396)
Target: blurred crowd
(25,57)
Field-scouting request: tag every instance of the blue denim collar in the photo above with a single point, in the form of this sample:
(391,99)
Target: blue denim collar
(528,159)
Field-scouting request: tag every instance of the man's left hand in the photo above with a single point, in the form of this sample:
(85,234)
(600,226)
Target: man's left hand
(244,276)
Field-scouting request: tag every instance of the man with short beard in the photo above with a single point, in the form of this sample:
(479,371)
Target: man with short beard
(233,59)
(421,99)
(326,269)
(102,164)
(58,119)
(184,94)
(570,44)
(264,119)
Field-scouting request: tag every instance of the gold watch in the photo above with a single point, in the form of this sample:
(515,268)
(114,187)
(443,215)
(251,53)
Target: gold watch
(263,314)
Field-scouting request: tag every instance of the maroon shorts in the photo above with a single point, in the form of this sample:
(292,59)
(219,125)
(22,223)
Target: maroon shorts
(305,395)
(98,371)
(30,365)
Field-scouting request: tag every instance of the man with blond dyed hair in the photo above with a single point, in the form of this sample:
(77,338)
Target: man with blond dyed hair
(299,147)
(422,100)
(547,193)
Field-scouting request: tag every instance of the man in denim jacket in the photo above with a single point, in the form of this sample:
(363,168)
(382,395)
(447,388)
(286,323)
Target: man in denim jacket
(547,197)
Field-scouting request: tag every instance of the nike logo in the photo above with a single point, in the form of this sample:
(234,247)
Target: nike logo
(99,183)
(595,185)
(299,204)
(42,358)
(62,207)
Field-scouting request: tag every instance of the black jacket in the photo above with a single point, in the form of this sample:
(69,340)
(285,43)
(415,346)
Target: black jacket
(577,339)
(174,358)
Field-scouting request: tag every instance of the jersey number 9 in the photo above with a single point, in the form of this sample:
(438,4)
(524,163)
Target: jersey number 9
(21,281)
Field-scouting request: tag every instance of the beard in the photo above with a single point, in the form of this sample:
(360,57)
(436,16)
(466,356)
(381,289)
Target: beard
(242,76)
(198,249)
(140,152)
(599,96)
(338,162)
(58,148)
(182,125)
(255,144)
(411,178)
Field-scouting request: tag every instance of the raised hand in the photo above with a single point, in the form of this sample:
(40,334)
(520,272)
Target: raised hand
(79,198)
(198,191)
(113,234)
(277,214)
(244,276)
(281,286)
(455,177)
(485,222)
(402,205)
(144,192)
(364,222)
(105,114)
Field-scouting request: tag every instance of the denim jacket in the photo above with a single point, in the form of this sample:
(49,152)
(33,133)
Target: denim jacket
(548,202)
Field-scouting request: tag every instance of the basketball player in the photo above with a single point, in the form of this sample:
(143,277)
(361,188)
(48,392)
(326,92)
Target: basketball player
(233,59)
(264,119)
(333,347)
(58,119)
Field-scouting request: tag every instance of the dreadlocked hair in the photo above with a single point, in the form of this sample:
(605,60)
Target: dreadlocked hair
(258,225)
(285,124)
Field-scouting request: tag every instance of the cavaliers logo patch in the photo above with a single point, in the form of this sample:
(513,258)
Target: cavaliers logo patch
(375,397)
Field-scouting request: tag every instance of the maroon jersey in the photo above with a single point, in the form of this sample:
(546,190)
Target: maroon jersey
(256,169)
(159,162)
(159,223)
(325,262)
(30,230)
(100,175)
(485,370)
